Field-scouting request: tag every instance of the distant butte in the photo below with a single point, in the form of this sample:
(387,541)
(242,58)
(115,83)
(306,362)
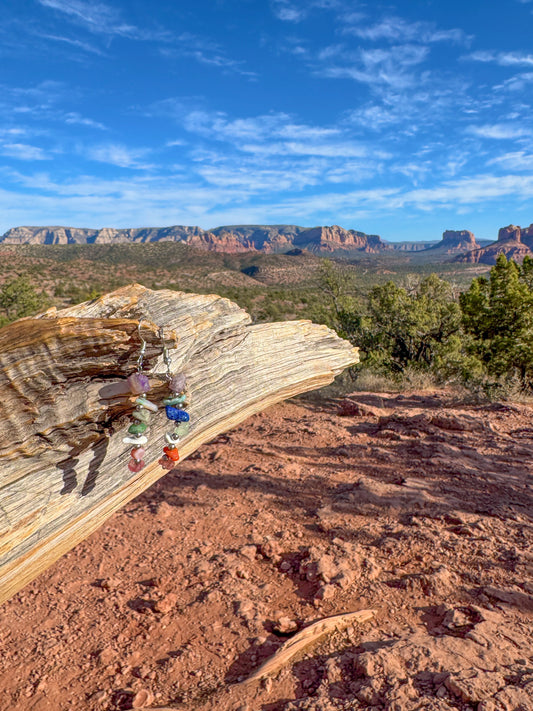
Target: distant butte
(454,241)
(515,242)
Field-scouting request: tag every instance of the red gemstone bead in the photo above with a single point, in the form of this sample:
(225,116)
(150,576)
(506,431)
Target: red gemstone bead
(172,453)
(166,462)
(135,465)
(138,452)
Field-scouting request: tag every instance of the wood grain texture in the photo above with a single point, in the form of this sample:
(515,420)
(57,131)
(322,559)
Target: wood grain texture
(63,463)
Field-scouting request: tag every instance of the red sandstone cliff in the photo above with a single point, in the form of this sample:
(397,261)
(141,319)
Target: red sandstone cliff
(513,241)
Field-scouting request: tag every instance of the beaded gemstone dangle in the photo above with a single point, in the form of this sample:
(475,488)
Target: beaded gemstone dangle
(175,404)
(139,385)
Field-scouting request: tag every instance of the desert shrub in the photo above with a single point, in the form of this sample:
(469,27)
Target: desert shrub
(399,331)
(497,314)
(18,298)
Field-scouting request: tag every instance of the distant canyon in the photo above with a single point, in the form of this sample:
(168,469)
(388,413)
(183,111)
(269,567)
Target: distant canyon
(457,245)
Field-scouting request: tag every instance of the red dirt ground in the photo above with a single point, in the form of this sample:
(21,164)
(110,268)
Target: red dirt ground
(415,506)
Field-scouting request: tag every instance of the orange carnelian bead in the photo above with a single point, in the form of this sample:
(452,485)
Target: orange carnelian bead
(172,453)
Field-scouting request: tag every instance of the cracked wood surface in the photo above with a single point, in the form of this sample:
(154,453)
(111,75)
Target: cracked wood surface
(64,410)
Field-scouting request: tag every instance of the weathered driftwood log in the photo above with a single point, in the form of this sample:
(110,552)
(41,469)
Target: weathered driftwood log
(63,465)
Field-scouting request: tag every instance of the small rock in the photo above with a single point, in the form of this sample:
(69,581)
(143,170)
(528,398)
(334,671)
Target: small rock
(108,583)
(271,550)
(164,510)
(284,625)
(365,664)
(351,408)
(245,608)
(166,604)
(474,686)
(249,552)
(325,592)
(325,568)
(142,699)
(373,570)
(106,655)
(488,705)
(267,685)
(99,697)
(455,618)
(440,582)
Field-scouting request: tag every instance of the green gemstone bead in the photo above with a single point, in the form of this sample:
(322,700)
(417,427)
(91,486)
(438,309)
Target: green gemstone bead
(148,404)
(137,428)
(176,400)
(142,415)
(182,429)
(170,401)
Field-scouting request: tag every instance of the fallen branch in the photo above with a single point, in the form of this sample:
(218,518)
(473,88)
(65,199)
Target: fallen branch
(62,418)
(304,639)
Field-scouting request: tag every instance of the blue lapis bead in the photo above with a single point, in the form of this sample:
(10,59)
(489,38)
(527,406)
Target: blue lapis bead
(174,413)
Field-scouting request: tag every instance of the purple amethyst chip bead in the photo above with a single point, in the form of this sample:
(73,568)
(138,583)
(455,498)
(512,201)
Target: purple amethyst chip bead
(138,383)
(178,383)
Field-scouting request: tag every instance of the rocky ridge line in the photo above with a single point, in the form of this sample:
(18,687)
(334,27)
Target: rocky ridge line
(515,242)
(237,238)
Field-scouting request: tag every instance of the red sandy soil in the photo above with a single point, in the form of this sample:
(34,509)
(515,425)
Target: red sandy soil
(411,505)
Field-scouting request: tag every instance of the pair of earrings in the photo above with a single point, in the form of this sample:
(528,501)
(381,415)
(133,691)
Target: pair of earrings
(174,404)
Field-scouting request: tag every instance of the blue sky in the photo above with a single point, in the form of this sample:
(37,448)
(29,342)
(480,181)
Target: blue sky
(400,119)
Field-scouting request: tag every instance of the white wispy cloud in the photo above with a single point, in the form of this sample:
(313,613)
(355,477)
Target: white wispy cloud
(204,51)
(23,151)
(73,117)
(47,90)
(116,154)
(263,128)
(514,160)
(79,44)
(468,191)
(338,150)
(175,199)
(102,19)
(503,59)
(288,11)
(398,30)
(278,134)
(517,82)
(294,11)
(42,102)
(391,66)
(498,131)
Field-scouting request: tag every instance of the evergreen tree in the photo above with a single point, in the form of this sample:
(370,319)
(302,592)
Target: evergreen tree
(18,298)
(498,316)
(399,330)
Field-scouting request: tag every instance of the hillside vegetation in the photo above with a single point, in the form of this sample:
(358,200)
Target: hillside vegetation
(445,322)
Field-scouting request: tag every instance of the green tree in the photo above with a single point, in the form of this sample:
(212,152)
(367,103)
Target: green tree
(18,298)
(498,317)
(343,301)
(402,330)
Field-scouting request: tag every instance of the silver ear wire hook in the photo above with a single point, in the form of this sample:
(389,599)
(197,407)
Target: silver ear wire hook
(140,359)
(166,358)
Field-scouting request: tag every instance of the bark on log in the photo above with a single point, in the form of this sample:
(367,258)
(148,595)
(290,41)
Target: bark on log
(63,465)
